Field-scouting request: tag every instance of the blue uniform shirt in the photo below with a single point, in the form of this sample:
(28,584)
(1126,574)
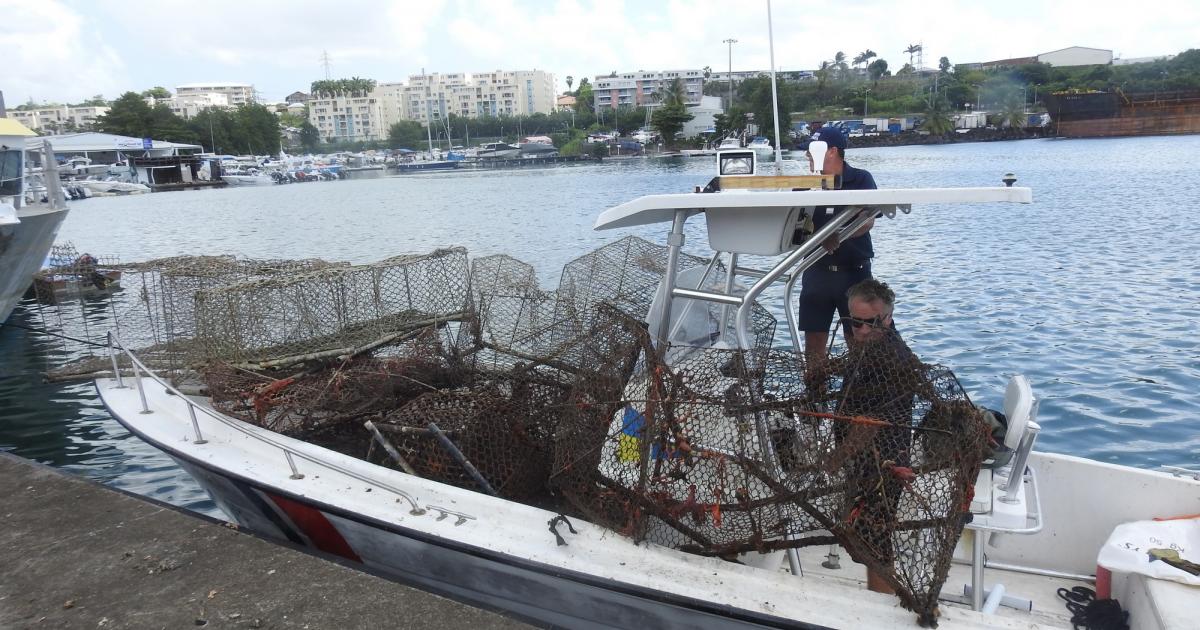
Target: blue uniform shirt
(852,251)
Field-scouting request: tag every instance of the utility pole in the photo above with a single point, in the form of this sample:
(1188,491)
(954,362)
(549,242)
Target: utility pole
(731,42)
(325,61)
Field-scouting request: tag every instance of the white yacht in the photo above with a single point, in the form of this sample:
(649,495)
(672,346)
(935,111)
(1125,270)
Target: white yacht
(498,150)
(29,218)
(657,537)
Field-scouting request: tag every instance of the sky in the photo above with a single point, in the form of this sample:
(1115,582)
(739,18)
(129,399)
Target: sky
(68,50)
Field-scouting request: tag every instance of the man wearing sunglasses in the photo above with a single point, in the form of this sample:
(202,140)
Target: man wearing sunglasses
(873,385)
(824,285)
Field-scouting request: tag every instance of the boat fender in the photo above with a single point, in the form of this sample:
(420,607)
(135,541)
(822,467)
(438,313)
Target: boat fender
(554,529)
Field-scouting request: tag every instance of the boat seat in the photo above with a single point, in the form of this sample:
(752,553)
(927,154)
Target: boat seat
(1006,498)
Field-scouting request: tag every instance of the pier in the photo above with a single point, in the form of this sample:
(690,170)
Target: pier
(74,553)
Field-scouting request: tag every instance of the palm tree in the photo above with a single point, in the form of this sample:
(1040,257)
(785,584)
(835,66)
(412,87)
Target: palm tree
(839,61)
(912,48)
(570,80)
(937,118)
(864,57)
(1012,112)
(822,75)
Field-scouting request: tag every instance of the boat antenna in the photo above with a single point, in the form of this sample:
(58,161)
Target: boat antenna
(774,94)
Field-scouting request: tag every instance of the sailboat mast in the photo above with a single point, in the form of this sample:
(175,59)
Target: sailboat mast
(774,94)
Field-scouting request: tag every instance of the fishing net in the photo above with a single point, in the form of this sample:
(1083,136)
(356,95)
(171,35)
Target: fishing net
(469,373)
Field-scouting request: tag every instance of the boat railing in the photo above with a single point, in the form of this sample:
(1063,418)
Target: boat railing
(290,455)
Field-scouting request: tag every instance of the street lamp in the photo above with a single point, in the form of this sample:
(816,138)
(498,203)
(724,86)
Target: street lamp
(731,42)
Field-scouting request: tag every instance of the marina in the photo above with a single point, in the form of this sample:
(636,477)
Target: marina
(930,331)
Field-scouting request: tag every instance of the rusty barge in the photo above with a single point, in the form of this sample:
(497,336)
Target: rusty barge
(1115,113)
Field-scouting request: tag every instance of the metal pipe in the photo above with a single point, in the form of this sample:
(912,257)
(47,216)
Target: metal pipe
(674,245)
(1036,571)
(719,298)
(296,474)
(758,273)
(461,459)
(687,307)
(1017,475)
(112,353)
(993,600)
(977,561)
(137,375)
(799,254)
(729,279)
(195,425)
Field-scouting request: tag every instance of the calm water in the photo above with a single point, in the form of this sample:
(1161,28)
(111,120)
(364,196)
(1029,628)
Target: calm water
(1091,291)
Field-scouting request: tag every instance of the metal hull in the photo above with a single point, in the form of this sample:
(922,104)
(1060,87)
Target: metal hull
(23,249)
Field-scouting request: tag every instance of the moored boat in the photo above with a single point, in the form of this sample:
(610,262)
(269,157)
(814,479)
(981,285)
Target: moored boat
(28,222)
(444,535)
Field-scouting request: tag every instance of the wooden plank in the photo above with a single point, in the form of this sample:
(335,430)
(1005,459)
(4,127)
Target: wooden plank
(784,182)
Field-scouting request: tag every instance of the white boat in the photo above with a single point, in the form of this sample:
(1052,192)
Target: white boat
(1043,517)
(732,142)
(28,222)
(498,150)
(80,166)
(109,187)
(760,144)
(260,179)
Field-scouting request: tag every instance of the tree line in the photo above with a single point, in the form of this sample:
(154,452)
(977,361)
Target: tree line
(251,128)
(842,88)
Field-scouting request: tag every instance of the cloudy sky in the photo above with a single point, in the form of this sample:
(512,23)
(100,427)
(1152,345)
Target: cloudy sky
(68,50)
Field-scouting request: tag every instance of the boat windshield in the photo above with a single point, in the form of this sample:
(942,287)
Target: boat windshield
(10,173)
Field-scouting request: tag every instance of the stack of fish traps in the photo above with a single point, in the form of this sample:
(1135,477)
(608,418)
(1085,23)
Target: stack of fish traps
(467,372)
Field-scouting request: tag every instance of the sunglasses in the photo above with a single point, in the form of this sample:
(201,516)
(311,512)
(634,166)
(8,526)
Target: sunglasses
(874,322)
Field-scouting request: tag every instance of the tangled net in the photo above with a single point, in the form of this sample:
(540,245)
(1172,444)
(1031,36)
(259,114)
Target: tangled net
(472,375)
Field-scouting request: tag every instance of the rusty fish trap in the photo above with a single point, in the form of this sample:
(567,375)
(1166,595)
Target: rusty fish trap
(469,373)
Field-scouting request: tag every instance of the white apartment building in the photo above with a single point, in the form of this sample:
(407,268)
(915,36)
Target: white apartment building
(60,119)
(431,96)
(634,89)
(238,93)
(499,93)
(188,105)
(348,117)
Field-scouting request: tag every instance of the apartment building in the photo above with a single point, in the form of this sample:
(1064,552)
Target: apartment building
(237,93)
(188,105)
(431,97)
(347,117)
(635,89)
(60,119)
(499,93)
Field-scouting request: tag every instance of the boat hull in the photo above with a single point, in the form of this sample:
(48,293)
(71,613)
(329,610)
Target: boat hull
(439,165)
(23,249)
(529,590)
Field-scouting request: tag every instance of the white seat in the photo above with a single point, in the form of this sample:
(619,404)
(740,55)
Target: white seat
(1006,498)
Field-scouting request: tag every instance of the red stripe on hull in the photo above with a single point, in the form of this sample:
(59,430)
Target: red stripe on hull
(319,530)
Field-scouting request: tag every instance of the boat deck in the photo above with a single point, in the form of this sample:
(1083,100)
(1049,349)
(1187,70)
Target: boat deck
(1048,609)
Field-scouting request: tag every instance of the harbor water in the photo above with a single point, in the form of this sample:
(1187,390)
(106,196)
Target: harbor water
(1091,291)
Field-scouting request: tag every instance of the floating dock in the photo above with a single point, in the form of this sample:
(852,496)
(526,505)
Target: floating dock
(76,554)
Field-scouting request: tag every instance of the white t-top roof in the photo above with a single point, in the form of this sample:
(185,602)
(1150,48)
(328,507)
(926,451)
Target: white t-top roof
(96,142)
(661,208)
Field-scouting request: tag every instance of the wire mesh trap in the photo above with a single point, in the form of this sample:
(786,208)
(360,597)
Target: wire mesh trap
(468,373)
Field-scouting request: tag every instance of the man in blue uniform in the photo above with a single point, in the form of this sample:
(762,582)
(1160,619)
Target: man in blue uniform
(824,285)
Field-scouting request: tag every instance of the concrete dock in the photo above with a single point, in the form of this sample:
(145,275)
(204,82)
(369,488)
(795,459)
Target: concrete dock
(75,554)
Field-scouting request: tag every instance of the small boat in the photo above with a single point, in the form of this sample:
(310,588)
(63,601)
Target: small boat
(732,142)
(110,187)
(760,144)
(442,503)
(538,146)
(498,150)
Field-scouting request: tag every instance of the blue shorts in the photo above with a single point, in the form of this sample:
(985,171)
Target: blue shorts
(823,291)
